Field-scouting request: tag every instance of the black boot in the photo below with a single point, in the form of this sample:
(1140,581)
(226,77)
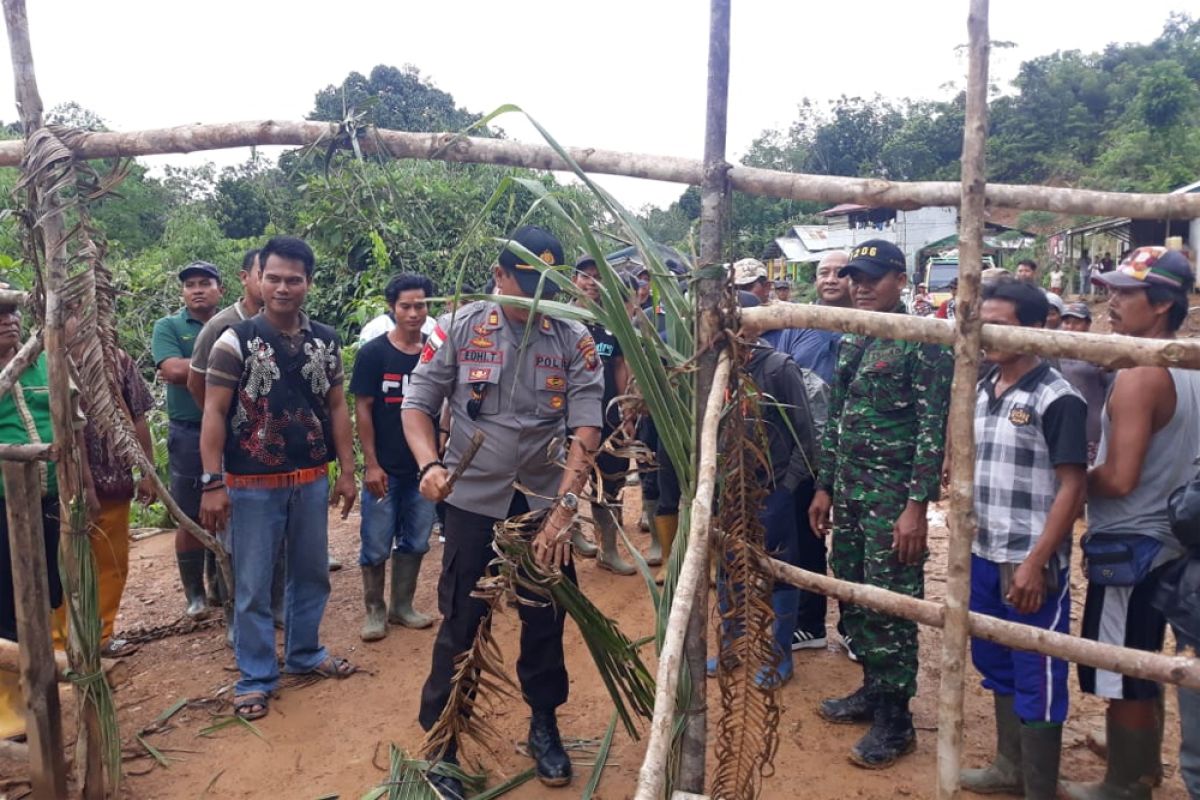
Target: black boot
(191,575)
(447,786)
(856,707)
(890,737)
(545,747)
(213,580)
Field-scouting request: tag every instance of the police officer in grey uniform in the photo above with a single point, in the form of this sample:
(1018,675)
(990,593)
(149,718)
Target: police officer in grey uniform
(520,397)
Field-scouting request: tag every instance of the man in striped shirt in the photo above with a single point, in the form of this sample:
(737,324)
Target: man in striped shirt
(1030,482)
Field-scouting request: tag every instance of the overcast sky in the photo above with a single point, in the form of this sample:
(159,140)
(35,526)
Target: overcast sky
(615,74)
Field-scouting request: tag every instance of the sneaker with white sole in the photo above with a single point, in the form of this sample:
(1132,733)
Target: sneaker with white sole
(803,640)
(848,645)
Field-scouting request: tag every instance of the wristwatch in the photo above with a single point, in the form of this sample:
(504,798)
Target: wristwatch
(570,501)
(209,478)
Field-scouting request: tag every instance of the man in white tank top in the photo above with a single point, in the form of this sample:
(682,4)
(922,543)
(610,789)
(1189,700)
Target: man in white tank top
(1149,439)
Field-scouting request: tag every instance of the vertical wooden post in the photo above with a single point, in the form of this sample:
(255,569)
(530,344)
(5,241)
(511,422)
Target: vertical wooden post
(46,207)
(714,219)
(31,591)
(962,409)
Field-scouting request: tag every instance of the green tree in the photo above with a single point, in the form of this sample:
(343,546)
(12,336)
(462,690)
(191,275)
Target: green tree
(395,98)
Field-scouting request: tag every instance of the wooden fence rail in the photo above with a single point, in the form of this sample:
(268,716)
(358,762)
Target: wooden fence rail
(1107,350)
(503,152)
(1178,670)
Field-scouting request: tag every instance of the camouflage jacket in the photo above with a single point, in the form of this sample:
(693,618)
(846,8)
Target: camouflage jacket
(887,418)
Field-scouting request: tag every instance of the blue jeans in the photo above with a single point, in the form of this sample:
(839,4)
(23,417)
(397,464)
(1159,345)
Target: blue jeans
(265,524)
(1038,683)
(400,520)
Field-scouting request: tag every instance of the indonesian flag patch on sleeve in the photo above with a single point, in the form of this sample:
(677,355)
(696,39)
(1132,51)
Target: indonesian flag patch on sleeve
(436,339)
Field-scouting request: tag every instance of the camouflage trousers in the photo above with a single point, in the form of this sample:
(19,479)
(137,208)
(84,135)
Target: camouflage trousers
(862,553)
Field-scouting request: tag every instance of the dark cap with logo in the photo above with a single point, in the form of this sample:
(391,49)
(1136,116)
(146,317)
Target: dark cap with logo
(545,246)
(200,269)
(1078,310)
(874,258)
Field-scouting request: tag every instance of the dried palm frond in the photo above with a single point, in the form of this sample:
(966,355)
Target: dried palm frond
(58,188)
(480,682)
(747,731)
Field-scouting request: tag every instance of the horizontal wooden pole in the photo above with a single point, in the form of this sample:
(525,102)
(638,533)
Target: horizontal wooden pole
(751,180)
(27,452)
(1107,350)
(1177,670)
(117,670)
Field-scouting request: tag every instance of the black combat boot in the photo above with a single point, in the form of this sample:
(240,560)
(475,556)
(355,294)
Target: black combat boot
(545,747)
(856,707)
(891,735)
(446,786)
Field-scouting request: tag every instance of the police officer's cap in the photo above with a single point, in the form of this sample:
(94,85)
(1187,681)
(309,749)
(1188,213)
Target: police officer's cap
(542,244)
(874,258)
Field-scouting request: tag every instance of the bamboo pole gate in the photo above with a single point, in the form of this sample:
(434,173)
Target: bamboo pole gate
(972,195)
(961,422)
(709,289)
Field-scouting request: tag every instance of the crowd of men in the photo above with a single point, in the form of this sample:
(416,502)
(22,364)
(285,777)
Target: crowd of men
(856,438)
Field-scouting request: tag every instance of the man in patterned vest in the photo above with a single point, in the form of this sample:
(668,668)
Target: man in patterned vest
(275,415)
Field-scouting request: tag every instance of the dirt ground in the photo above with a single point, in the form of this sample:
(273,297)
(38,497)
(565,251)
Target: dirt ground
(331,739)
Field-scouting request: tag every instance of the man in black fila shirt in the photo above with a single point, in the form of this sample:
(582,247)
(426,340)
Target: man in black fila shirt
(396,520)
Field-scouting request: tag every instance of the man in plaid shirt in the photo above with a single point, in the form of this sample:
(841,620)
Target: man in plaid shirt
(1030,483)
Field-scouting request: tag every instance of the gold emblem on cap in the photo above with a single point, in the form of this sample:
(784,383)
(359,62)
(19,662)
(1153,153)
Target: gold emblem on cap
(547,257)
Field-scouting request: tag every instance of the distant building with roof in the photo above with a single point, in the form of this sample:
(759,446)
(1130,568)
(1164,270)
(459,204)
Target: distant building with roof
(919,233)
(1116,235)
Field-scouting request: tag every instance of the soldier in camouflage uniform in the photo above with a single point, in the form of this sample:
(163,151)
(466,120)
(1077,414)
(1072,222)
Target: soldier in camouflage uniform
(878,468)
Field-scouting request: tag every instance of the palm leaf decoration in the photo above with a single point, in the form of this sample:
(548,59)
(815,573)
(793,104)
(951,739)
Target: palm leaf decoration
(55,179)
(747,731)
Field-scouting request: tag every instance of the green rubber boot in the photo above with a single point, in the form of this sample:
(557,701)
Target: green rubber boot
(1041,751)
(375,624)
(1133,762)
(1003,775)
(405,569)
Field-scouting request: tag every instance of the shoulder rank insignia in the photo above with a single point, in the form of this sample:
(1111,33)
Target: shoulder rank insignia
(435,340)
(587,349)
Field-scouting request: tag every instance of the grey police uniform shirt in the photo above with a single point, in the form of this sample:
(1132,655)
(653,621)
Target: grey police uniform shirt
(529,396)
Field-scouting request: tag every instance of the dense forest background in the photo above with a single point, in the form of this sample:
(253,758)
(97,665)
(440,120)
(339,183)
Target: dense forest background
(1124,118)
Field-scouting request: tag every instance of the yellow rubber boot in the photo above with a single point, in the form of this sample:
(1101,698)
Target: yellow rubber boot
(12,706)
(665,526)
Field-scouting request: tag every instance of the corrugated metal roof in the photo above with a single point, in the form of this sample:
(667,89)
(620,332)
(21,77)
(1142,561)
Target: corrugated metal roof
(843,208)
